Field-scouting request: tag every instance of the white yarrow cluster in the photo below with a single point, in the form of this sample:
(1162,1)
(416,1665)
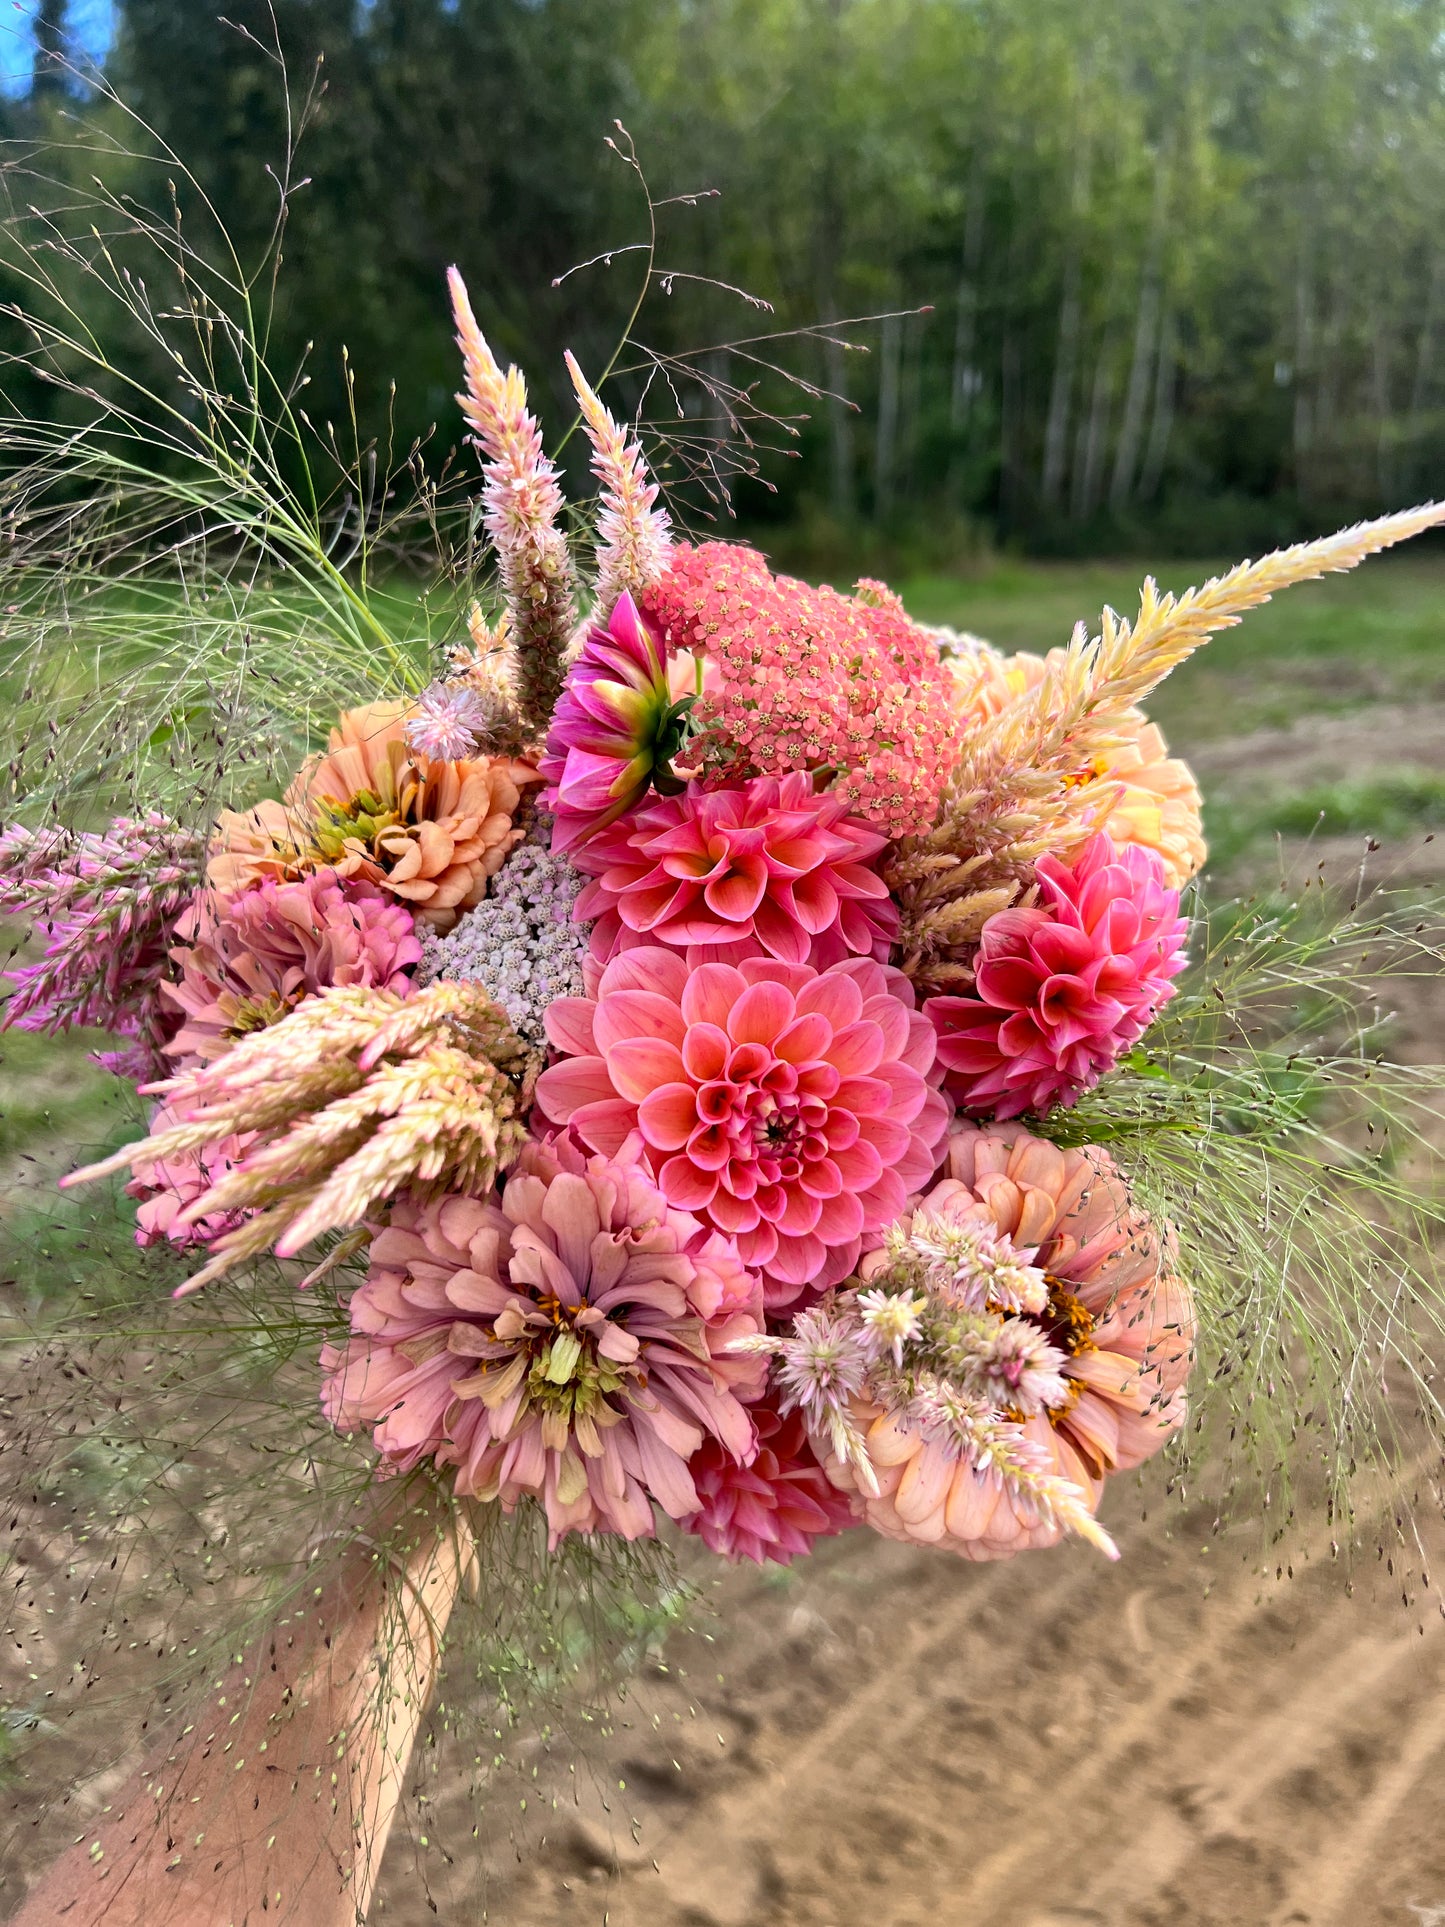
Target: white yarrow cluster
(520,942)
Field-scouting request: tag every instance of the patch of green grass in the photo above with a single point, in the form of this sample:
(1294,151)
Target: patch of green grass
(1386,807)
(49,1087)
(1375,635)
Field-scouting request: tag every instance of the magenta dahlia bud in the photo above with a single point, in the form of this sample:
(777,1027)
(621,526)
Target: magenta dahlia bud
(1063,988)
(764,869)
(788,1108)
(615,729)
(772,1510)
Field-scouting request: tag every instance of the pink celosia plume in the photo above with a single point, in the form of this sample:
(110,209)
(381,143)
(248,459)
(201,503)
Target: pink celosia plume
(245,961)
(634,536)
(522,503)
(108,903)
(568,1342)
(787,1107)
(772,1510)
(1061,989)
(765,869)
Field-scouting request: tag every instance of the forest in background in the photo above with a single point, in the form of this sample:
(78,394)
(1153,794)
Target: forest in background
(1164,273)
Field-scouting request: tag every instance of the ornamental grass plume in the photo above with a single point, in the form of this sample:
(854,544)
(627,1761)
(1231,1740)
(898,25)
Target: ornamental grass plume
(847,688)
(769,868)
(109,903)
(634,536)
(1134,788)
(245,961)
(1014,795)
(1062,988)
(788,1108)
(522,506)
(374,810)
(772,1509)
(569,1341)
(356,1096)
(1018,1338)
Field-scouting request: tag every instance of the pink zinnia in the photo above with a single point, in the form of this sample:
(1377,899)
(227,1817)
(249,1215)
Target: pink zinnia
(246,960)
(767,869)
(1063,988)
(166,1186)
(773,1509)
(788,1108)
(568,1342)
(615,729)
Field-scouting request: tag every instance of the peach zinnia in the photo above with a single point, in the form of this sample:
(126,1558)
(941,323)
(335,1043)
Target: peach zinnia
(374,809)
(789,1108)
(1080,1337)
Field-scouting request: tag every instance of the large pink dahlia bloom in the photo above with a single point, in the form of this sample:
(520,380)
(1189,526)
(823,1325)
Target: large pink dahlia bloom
(773,1509)
(615,728)
(568,1341)
(1062,988)
(246,960)
(789,1108)
(1091,1363)
(767,869)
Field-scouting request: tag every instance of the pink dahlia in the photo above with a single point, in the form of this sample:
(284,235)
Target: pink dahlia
(789,1108)
(1040,1343)
(1063,988)
(246,960)
(807,679)
(616,726)
(768,869)
(568,1341)
(772,1509)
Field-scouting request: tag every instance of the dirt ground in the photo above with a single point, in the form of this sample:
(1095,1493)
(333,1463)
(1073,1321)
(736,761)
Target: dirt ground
(1217,1731)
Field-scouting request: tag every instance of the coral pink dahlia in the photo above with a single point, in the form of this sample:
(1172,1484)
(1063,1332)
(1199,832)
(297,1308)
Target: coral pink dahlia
(766,869)
(787,1107)
(245,961)
(773,1509)
(1062,988)
(568,1341)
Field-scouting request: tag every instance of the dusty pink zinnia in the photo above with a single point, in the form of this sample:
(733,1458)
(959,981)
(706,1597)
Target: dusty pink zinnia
(166,1186)
(772,1510)
(767,868)
(1062,988)
(789,1108)
(616,726)
(246,960)
(568,1342)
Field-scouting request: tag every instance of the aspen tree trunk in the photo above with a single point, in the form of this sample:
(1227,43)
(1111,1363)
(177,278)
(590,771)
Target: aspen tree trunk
(274,1801)
(1146,330)
(1061,389)
(1161,425)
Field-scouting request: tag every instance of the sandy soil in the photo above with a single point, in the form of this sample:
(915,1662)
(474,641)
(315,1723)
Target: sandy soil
(1216,1730)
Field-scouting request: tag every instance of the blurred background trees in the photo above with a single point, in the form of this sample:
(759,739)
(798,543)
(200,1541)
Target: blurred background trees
(1155,271)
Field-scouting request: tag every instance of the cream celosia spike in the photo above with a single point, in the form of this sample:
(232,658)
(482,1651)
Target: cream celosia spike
(355,1096)
(1100,677)
(522,503)
(634,536)
(1013,796)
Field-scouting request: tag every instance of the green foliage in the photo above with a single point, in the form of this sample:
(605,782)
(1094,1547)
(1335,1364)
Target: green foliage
(1156,272)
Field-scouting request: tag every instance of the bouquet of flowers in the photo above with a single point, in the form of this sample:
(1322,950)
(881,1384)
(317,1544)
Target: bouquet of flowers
(712,1038)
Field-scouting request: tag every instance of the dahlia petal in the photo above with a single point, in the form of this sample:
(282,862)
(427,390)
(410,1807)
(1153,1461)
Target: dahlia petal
(760,1014)
(637,1065)
(668,1116)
